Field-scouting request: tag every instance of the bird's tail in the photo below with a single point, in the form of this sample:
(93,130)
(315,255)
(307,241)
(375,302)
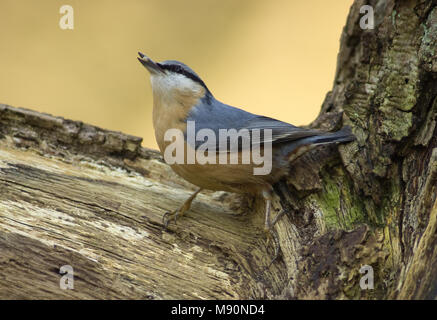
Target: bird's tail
(343,135)
(301,146)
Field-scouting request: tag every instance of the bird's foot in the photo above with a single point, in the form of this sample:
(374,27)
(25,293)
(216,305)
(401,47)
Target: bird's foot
(174,215)
(272,237)
(268,227)
(168,216)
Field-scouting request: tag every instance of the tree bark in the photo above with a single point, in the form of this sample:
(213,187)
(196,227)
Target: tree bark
(74,194)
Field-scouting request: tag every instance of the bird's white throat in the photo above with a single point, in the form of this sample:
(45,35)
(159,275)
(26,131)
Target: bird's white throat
(172,87)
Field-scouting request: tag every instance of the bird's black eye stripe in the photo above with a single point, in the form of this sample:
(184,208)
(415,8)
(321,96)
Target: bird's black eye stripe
(178,69)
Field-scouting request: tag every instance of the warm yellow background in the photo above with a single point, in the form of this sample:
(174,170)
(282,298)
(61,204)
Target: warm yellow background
(275,58)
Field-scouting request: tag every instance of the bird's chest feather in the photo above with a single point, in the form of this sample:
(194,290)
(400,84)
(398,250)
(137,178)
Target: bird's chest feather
(174,95)
(170,114)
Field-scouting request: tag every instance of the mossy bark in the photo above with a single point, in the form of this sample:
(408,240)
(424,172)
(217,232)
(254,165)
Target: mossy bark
(73,194)
(386,89)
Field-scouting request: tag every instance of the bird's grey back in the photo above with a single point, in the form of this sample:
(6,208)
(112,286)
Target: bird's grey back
(215,115)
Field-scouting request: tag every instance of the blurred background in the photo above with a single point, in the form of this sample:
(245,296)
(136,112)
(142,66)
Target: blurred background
(275,58)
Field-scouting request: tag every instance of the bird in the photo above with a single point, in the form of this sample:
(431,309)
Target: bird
(181,98)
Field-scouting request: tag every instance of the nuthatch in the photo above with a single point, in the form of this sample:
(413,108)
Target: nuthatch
(181,97)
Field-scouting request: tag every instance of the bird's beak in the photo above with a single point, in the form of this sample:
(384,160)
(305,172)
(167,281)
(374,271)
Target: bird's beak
(150,65)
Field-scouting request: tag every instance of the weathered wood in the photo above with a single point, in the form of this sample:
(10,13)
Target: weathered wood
(102,216)
(73,194)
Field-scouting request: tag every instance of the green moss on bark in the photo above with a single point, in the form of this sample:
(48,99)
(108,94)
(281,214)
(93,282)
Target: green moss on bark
(341,208)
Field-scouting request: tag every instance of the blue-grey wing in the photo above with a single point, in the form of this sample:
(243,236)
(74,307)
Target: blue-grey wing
(251,128)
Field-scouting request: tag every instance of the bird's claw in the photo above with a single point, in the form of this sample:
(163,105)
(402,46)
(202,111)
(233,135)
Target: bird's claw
(168,216)
(271,235)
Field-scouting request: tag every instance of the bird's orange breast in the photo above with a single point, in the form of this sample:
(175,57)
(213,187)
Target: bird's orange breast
(172,113)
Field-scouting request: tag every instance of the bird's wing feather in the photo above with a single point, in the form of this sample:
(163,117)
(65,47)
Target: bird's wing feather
(281,131)
(218,116)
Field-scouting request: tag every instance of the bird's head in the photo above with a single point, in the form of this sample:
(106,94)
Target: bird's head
(172,81)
